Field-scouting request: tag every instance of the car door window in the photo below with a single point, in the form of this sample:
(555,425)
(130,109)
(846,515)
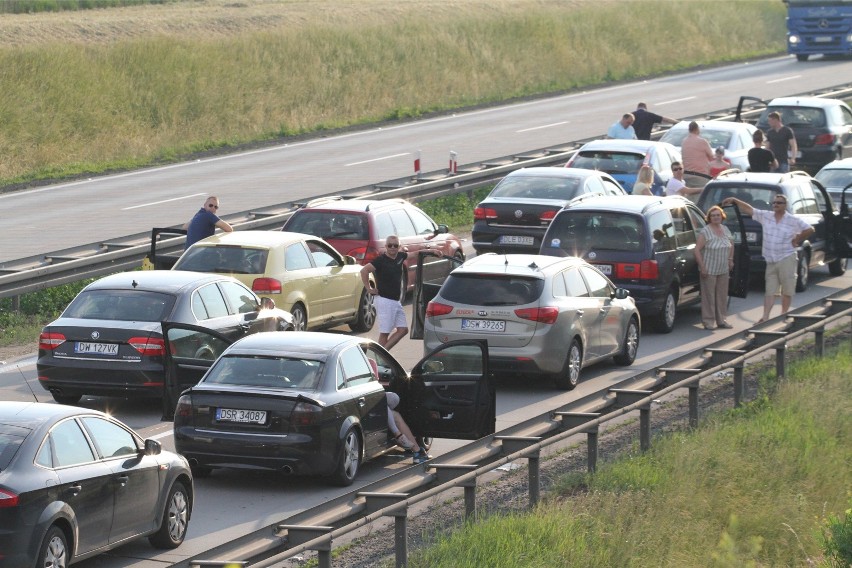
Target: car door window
(594,185)
(422,224)
(212,301)
(323,255)
(598,285)
(662,231)
(70,446)
(575,284)
(384,227)
(819,198)
(847,116)
(806,202)
(241,299)
(611,188)
(403,225)
(110,439)
(296,258)
(697,219)
(684,235)
(355,368)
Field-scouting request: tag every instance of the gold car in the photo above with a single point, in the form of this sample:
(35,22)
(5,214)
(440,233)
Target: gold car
(300,273)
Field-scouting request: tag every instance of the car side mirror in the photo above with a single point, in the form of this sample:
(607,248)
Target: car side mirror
(622,293)
(153,447)
(442,229)
(349,260)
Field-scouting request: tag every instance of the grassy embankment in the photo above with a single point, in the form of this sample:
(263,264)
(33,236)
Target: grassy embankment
(767,485)
(94,91)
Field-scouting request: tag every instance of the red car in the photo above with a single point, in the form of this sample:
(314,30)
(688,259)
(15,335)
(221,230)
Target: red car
(359,227)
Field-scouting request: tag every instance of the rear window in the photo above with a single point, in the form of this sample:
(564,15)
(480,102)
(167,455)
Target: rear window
(716,138)
(11,438)
(265,372)
(834,178)
(329,225)
(120,305)
(578,232)
(757,197)
(795,116)
(538,187)
(610,162)
(490,290)
(223,260)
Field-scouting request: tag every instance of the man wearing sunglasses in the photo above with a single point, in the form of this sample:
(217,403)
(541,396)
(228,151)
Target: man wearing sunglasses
(388,269)
(204,223)
(782,234)
(677,186)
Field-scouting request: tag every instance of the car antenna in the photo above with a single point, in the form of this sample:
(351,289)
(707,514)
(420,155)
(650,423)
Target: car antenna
(505,259)
(28,383)
(134,284)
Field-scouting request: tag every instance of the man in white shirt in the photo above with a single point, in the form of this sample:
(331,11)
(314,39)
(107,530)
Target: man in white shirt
(676,185)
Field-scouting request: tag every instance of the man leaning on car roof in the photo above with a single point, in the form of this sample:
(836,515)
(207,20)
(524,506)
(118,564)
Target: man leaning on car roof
(203,224)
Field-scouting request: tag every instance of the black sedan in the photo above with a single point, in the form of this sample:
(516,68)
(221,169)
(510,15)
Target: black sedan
(108,341)
(76,482)
(311,403)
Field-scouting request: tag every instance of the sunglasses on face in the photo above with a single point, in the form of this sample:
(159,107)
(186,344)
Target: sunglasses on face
(677,169)
(392,245)
(211,206)
(780,202)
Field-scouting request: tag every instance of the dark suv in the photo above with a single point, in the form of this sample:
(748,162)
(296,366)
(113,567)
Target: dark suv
(806,198)
(642,243)
(516,213)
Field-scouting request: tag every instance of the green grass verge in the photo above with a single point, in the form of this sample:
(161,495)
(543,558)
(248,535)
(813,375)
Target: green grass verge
(766,485)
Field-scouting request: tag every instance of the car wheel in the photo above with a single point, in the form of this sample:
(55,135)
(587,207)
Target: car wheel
(349,460)
(666,318)
(459,255)
(837,267)
(802,56)
(175,519)
(366,313)
(630,346)
(802,273)
(568,378)
(71,399)
(200,471)
(300,317)
(54,551)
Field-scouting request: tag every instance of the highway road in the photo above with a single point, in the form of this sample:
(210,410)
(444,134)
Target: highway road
(65,215)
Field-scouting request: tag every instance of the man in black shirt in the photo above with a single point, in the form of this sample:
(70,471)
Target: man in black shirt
(388,269)
(644,121)
(759,158)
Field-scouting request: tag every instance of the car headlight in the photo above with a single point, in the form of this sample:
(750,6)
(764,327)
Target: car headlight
(793,39)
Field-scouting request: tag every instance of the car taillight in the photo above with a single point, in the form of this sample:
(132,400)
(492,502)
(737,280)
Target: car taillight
(8,499)
(151,346)
(824,139)
(645,270)
(483,213)
(437,309)
(50,341)
(541,315)
(649,270)
(266,286)
(305,414)
(184,407)
(547,217)
(364,255)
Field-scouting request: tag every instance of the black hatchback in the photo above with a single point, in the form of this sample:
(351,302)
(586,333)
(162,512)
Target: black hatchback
(644,244)
(515,215)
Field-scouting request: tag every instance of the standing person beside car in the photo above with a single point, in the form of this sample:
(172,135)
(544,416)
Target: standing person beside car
(696,152)
(644,181)
(720,163)
(714,252)
(759,158)
(782,142)
(623,129)
(644,121)
(782,234)
(204,223)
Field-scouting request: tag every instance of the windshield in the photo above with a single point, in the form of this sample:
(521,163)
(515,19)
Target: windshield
(610,162)
(223,260)
(538,187)
(491,290)
(120,305)
(578,232)
(835,178)
(329,225)
(267,372)
(794,116)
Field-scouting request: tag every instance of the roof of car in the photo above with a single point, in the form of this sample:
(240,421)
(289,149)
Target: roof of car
(168,281)
(556,172)
(623,203)
(31,414)
(819,102)
(758,177)
(844,164)
(337,203)
(313,344)
(714,125)
(514,264)
(260,239)
(625,145)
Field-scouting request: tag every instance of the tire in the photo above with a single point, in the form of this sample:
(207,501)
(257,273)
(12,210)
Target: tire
(200,471)
(349,459)
(837,267)
(300,317)
(630,346)
(459,255)
(366,313)
(569,377)
(801,57)
(175,519)
(70,399)
(54,551)
(664,322)
(803,273)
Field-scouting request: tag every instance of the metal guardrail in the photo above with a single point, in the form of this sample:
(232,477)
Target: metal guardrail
(317,528)
(105,257)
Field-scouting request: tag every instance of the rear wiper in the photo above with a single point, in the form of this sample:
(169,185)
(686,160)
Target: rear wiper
(500,303)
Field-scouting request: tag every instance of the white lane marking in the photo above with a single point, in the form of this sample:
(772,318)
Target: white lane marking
(782,79)
(163,201)
(165,434)
(377,159)
(540,127)
(676,101)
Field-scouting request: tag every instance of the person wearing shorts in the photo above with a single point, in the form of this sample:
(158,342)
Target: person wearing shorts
(782,234)
(387,270)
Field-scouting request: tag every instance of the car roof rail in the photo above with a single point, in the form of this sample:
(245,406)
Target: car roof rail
(385,202)
(798,173)
(319,201)
(728,172)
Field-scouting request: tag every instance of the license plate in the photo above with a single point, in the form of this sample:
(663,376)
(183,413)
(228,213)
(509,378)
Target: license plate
(823,39)
(751,236)
(96,348)
(516,240)
(238,415)
(605,268)
(483,325)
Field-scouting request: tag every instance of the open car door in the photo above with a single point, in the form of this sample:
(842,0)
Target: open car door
(738,279)
(742,111)
(839,227)
(429,276)
(189,351)
(158,259)
(449,393)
